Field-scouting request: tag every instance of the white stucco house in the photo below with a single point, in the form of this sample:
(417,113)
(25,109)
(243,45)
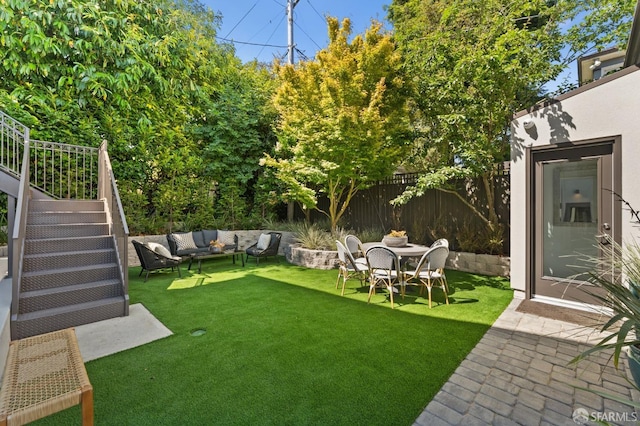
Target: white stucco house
(574,159)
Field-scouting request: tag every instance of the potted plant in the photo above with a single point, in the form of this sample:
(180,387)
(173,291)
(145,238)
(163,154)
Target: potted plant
(395,239)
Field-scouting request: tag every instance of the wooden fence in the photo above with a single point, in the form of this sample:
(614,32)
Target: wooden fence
(434,215)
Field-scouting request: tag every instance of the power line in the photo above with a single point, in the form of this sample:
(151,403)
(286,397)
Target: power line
(269,22)
(305,57)
(308,36)
(317,13)
(241,19)
(251,44)
(274,31)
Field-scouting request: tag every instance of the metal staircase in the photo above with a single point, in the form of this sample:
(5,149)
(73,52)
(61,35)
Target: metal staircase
(68,248)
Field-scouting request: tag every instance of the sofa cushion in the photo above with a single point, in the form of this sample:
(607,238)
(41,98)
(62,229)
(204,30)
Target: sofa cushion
(209,235)
(263,241)
(160,249)
(199,239)
(184,241)
(227,238)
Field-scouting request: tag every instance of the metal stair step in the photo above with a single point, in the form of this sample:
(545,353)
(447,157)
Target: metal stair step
(50,278)
(76,217)
(31,301)
(59,260)
(66,230)
(34,323)
(65,205)
(53,245)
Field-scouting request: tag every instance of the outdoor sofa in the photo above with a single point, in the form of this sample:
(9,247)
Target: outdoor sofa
(188,243)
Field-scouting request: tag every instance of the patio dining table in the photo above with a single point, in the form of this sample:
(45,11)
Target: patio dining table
(410,250)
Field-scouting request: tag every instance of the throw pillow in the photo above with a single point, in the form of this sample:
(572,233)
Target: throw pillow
(185,241)
(226,238)
(198,238)
(159,248)
(209,235)
(263,241)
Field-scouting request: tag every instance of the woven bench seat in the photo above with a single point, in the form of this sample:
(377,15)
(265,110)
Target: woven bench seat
(44,374)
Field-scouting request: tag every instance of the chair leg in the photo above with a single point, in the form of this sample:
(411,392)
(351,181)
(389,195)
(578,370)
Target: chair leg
(147,276)
(338,279)
(390,288)
(344,281)
(444,289)
(372,289)
(141,271)
(179,273)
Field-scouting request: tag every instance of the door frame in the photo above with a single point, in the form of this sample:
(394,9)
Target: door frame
(530,213)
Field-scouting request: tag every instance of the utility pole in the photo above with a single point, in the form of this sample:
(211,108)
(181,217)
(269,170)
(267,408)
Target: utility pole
(290,5)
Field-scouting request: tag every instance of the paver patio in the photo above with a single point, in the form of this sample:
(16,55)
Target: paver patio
(518,374)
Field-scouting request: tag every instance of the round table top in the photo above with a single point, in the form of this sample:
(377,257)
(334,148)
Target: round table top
(410,250)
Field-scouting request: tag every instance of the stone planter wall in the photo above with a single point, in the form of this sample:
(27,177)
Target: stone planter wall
(484,264)
(316,259)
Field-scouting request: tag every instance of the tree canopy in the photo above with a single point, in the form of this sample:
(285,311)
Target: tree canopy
(150,79)
(343,118)
(472,66)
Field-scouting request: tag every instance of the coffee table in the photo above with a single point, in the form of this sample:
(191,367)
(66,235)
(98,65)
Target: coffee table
(208,255)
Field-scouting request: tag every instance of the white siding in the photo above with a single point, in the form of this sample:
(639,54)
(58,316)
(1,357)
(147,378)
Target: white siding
(606,110)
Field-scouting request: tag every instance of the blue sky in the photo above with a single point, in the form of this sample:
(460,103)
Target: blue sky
(265,22)
(251,23)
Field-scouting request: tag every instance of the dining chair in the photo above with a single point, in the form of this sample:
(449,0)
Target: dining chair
(384,270)
(430,272)
(354,246)
(440,242)
(348,268)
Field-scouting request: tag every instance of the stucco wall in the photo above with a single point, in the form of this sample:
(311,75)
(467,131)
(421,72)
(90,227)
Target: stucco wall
(607,108)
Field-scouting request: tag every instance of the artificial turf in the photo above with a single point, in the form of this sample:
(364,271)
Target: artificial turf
(283,347)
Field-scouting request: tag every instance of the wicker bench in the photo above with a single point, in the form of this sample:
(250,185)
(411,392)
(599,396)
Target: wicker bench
(44,374)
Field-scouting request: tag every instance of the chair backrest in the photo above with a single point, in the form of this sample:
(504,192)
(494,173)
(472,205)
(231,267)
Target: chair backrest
(437,257)
(382,258)
(274,244)
(440,242)
(136,246)
(145,255)
(345,256)
(353,243)
(342,252)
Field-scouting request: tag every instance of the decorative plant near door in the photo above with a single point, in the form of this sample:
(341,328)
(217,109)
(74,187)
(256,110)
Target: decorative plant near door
(617,272)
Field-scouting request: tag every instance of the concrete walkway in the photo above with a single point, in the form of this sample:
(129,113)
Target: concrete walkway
(518,374)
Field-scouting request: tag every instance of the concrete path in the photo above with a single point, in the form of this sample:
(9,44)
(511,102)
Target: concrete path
(107,337)
(518,374)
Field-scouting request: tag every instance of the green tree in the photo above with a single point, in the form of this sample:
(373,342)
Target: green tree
(472,65)
(149,78)
(343,119)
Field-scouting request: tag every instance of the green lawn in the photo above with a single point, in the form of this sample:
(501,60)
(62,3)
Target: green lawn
(283,347)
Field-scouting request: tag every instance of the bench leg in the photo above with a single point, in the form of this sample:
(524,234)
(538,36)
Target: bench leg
(87,407)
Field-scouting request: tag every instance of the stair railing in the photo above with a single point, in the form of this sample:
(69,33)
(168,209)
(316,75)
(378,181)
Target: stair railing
(108,191)
(64,171)
(60,171)
(20,226)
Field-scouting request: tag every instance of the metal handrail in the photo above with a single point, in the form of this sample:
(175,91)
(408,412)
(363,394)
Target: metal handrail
(108,191)
(19,229)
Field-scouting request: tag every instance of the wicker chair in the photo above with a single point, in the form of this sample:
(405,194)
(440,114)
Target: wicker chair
(261,249)
(151,260)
